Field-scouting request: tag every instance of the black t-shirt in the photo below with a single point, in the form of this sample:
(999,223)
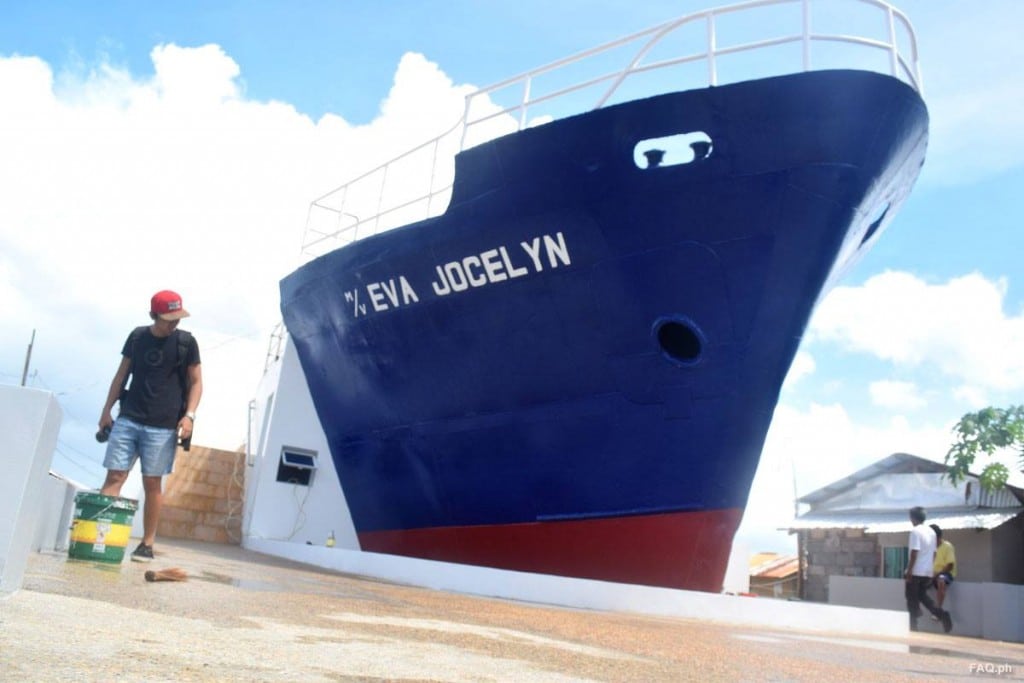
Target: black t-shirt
(155,395)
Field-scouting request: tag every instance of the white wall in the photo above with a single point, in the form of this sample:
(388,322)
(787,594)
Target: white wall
(57,509)
(983,610)
(284,416)
(590,594)
(29,421)
(974,551)
(737,573)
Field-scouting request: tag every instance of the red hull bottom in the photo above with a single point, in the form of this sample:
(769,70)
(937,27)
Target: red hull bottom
(688,550)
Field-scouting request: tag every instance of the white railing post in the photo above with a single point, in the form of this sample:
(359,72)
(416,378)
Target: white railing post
(341,213)
(712,70)
(807,34)
(465,121)
(433,175)
(525,103)
(894,63)
(380,198)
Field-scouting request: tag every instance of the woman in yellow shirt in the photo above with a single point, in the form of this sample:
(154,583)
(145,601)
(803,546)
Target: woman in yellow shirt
(944,567)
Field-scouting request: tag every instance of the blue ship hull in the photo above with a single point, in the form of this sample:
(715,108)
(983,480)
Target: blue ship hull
(573,370)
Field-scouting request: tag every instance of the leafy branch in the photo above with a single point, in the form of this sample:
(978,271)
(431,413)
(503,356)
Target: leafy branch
(986,431)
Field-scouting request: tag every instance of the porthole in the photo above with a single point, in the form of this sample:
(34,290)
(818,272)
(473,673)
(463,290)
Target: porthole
(679,340)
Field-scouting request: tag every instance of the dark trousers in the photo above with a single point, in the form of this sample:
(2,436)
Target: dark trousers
(917,594)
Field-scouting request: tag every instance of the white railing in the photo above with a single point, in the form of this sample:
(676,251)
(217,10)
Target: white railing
(386,197)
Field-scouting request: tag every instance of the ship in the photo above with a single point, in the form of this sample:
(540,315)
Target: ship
(568,362)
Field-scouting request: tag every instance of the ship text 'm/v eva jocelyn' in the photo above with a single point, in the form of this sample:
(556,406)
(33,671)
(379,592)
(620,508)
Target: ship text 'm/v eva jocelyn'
(476,270)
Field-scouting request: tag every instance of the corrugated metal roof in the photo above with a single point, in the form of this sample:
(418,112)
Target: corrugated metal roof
(895,462)
(904,463)
(897,520)
(773,566)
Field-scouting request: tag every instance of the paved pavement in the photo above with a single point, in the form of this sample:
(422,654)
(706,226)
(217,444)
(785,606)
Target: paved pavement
(242,616)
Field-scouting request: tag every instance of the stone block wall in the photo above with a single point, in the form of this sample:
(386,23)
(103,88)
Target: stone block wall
(837,552)
(203,496)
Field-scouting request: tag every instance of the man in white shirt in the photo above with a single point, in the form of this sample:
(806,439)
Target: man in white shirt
(918,576)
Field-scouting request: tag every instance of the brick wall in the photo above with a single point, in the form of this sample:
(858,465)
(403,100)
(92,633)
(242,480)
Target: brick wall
(837,552)
(203,496)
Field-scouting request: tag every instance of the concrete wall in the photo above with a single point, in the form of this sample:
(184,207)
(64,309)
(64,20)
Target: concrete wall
(974,553)
(982,610)
(203,496)
(1007,552)
(783,588)
(837,552)
(56,512)
(29,421)
(982,556)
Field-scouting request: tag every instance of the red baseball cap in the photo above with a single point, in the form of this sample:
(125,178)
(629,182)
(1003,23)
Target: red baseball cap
(167,305)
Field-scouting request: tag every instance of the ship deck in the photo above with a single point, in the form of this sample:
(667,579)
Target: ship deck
(246,616)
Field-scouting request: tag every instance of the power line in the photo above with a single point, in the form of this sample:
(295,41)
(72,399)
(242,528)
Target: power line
(96,467)
(252,336)
(76,451)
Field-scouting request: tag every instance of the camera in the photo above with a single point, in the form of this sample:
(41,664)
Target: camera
(103,434)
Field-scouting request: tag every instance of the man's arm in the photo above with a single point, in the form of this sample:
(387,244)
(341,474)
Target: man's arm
(195,392)
(114,393)
(910,565)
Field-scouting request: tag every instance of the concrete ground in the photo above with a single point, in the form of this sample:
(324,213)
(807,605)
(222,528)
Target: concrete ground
(242,616)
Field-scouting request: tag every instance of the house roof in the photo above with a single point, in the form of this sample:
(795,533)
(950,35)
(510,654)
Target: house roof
(877,498)
(773,566)
(876,522)
(904,463)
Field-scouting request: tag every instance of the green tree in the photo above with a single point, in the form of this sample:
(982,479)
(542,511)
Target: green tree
(986,431)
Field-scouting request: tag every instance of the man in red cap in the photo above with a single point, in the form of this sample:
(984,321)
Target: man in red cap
(157,409)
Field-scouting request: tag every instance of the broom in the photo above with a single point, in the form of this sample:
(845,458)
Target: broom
(172,574)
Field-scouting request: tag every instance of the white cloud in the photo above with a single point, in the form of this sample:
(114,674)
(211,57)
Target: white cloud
(959,328)
(113,187)
(951,345)
(975,398)
(416,136)
(422,101)
(808,449)
(195,77)
(896,395)
(802,366)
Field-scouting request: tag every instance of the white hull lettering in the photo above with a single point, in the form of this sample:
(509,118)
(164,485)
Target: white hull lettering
(476,270)
(441,286)
(495,267)
(456,276)
(558,253)
(533,251)
(476,279)
(512,270)
(385,295)
(409,295)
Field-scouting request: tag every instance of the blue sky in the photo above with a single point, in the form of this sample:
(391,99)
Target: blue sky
(153,145)
(329,55)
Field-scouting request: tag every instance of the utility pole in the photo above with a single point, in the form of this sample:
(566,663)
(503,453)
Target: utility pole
(28,358)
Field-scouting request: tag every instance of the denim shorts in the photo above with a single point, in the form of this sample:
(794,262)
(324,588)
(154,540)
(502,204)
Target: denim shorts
(129,440)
